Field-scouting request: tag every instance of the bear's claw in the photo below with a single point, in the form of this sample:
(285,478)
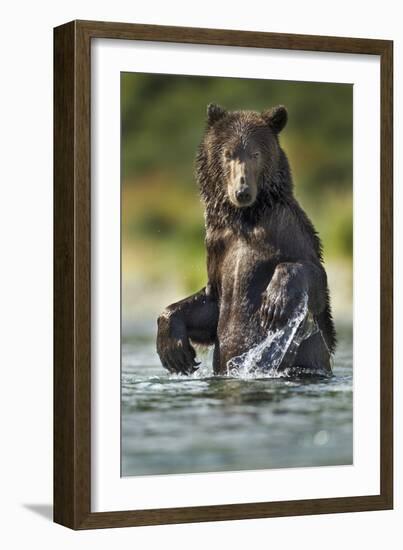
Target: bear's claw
(178,356)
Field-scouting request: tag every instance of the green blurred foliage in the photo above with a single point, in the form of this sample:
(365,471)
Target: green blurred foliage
(163,118)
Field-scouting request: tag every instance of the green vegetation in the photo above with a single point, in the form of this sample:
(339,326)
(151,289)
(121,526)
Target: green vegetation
(163,118)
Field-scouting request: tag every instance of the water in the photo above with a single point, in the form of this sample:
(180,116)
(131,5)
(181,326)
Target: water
(279,348)
(245,421)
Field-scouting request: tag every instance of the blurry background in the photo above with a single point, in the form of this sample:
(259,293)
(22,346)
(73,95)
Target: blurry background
(163,118)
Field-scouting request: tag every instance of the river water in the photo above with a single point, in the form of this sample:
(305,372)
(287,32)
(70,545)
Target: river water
(204,423)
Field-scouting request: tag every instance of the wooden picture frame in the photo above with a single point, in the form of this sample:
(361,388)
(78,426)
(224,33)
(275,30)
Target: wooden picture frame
(72,273)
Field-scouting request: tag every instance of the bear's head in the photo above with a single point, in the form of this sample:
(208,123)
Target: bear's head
(240,154)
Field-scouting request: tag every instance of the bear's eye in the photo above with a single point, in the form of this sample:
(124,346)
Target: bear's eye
(255,155)
(228,154)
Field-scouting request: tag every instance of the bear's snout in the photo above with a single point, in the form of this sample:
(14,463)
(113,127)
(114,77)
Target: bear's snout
(242,176)
(243,195)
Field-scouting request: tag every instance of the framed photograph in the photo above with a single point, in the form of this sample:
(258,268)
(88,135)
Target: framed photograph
(223,294)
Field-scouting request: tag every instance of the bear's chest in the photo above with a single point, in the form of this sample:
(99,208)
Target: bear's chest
(245,269)
(243,266)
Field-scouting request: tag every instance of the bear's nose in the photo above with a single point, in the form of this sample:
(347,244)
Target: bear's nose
(243,195)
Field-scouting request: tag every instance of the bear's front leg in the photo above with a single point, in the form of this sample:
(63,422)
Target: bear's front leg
(173,346)
(290,282)
(194,318)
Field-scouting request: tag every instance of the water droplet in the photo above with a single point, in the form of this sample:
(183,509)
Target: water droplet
(321,438)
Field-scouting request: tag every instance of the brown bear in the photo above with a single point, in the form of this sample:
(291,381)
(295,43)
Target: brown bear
(263,254)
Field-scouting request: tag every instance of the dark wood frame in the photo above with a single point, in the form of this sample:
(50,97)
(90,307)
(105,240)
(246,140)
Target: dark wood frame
(72,267)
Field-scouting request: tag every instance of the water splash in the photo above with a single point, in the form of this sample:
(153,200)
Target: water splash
(278,349)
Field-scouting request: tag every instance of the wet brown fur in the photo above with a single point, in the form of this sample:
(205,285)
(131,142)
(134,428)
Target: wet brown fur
(255,253)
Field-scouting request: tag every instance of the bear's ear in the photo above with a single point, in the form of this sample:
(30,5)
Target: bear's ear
(276,118)
(214,113)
